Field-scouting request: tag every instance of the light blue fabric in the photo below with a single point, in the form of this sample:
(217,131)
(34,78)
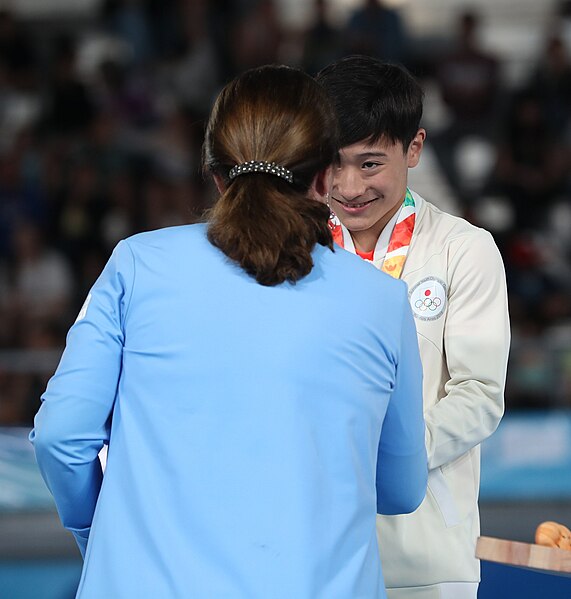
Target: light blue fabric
(243,425)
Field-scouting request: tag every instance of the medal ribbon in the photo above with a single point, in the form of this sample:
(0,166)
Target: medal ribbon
(389,257)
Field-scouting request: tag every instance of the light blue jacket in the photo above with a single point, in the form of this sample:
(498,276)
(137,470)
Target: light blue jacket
(246,459)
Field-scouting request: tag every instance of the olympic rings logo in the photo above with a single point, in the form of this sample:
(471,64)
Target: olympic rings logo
(428,298)
(428,304)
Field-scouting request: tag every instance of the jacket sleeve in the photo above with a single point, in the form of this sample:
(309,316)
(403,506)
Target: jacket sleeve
(73,422)
(476,345)
(401,462)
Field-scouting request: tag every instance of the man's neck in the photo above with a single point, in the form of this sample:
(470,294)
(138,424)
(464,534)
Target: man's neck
(365,241)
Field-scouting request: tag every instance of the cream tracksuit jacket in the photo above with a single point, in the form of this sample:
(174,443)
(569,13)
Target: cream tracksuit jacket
(457,291)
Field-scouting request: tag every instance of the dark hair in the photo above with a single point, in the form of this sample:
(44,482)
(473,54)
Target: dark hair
(262,222)
(373,99)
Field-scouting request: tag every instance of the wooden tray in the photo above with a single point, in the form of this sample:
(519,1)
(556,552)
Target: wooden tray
(525,555)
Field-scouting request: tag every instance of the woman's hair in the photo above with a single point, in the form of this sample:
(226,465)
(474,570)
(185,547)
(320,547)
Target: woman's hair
(264,223)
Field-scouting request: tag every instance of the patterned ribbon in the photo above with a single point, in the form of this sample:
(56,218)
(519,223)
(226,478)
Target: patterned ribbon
(393,243)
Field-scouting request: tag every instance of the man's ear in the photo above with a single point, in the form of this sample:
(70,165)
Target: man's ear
(415,148)
(321,185)
(220,185)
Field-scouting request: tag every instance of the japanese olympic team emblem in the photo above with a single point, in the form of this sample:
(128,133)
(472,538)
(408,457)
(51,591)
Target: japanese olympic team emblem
(428,298)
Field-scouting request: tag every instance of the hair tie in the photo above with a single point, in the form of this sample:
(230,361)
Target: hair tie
(261,166)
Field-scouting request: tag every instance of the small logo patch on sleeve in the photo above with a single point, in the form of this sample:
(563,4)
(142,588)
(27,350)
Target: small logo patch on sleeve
(428,298)
(83,310)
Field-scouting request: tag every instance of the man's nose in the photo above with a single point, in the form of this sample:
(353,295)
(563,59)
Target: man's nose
(348,184)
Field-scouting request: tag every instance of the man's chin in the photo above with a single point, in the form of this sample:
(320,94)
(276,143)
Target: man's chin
(355,223)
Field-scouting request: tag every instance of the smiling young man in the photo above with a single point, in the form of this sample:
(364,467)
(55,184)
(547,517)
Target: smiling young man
(457,291)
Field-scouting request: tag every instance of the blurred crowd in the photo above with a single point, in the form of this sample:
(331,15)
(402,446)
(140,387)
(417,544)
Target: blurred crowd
(101,125)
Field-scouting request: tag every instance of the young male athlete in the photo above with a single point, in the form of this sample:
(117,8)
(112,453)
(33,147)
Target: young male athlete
(457,291)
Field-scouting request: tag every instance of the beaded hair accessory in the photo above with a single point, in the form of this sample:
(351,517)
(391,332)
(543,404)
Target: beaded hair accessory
(261,166)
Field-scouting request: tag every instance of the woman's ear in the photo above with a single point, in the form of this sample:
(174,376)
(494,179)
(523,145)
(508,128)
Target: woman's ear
(321,185)
(220,185)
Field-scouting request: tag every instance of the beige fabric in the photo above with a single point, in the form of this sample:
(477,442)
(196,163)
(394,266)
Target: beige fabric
(464,347)
(447,590)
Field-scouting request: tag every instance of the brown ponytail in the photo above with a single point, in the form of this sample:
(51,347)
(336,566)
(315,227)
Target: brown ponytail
(262,222)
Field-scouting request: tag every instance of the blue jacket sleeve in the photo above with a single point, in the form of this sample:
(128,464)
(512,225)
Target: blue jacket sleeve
(402,468)
(73,422)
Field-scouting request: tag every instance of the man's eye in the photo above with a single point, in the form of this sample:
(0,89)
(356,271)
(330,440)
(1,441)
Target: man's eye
(368,165)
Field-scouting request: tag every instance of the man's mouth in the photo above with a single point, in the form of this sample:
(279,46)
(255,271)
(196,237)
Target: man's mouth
(354,205)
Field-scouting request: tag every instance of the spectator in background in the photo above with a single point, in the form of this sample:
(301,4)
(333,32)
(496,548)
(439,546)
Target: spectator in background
(119,220)
(28,153)
(104,148)
(36,294)
(532,162)
(530,174)
(527,282)
(376,30)
(70,108)
(190,77)
(223,16)
(258,36)
(157,203)
(20,94)
(173,152)
(18,53)
(21,198)
(321,42)
(170,202)
(469,82)
(42,281)
(166,26)
(117,90)
(128,20)
(551,82)
(77,213)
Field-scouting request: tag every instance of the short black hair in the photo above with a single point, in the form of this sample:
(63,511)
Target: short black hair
(373,99)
